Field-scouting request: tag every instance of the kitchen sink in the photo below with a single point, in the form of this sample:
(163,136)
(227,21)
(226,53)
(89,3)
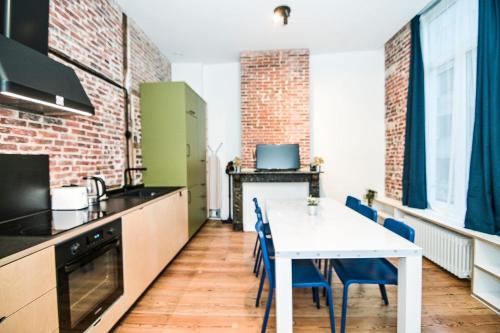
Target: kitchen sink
(142,193)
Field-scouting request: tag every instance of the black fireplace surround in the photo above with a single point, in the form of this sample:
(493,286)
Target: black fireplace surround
(252,176)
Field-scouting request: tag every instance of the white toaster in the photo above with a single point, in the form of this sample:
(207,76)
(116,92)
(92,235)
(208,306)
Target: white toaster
(69,198)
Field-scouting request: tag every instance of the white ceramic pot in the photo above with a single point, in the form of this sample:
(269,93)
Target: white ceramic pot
(313,210)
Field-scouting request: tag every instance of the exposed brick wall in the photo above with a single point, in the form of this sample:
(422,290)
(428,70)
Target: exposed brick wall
(397,67)
(91,33)
(274,101)
(146,63)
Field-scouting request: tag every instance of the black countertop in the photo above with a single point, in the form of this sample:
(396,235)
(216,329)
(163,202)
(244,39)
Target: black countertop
(21,234)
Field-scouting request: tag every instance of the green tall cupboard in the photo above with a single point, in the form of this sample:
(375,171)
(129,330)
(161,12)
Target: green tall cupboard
(173,119)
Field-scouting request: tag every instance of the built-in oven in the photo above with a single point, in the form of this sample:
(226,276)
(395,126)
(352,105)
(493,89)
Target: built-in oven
(89,276)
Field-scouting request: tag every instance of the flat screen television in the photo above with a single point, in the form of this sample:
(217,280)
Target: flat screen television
(278,157)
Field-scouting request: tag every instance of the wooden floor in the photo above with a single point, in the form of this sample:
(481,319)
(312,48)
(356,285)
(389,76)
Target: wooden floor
(209,287)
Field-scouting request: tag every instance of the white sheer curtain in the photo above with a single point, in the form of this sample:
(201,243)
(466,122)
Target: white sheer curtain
(449,43)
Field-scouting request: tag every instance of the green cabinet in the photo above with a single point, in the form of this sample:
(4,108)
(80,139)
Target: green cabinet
(173,119)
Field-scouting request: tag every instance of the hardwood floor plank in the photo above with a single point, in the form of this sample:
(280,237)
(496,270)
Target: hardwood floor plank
(210,287)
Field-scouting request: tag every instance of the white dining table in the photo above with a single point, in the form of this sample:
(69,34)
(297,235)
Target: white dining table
(339,232)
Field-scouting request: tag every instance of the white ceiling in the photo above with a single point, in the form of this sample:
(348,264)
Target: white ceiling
(212,31)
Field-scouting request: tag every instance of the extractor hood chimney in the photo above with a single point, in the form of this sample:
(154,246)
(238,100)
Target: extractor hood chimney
(29,80)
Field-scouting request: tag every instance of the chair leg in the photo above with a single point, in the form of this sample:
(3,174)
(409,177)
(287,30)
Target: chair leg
(261,286)
(330,274)
(316,294)
(384,294)
(255,246)
(268,309)
(330,305)
(325,273)
(344,308)
(256,261)
(258,265)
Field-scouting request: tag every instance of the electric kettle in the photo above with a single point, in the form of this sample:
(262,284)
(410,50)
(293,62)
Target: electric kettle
(96,188)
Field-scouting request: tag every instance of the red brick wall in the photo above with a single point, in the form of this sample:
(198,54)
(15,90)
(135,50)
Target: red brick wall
(91,33)
(397,67)
(274,101)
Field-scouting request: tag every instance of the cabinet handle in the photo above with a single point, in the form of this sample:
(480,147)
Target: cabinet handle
(97,322)
(191,112)
(188,149)
(189,197)
(202,161)
(203,184)
(2,319)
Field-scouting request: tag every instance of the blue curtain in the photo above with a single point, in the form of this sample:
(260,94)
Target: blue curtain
(414,172)
(483,196)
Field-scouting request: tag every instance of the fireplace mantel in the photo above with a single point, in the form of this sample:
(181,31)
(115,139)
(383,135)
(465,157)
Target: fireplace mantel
(252,176)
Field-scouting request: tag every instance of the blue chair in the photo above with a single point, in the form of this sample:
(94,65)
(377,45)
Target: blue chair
(367,212)
(304,275)
(256,203)
(270,246)
(352,202)
(361,209)
(370,270)
(267,229)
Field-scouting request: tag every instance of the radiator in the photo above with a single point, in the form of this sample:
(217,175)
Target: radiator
(448,249)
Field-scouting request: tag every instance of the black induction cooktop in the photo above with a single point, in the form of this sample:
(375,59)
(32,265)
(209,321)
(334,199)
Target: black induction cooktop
(49,223)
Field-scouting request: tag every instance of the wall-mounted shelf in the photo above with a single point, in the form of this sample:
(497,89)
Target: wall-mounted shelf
(486,274)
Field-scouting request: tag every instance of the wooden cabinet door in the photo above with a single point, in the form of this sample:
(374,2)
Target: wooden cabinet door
(18,288)
(152,236)
(139,252)
(176,230)
(40,316)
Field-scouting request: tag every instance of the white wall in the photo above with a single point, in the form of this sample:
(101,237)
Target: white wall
(219,86)
(347,121)
(191,73)
(347,117)
(222,94)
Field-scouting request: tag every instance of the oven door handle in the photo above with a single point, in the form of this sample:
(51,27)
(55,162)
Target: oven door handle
(72,265)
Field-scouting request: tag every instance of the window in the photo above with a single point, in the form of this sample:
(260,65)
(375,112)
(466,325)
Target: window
(449,42)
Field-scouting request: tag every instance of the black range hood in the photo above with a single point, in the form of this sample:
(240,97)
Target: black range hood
(29,79)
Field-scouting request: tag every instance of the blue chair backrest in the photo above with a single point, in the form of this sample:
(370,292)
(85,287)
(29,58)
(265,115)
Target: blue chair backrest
(256,203)
(265,255)
(258,212)
(367,212)
(400,228)
(352,202)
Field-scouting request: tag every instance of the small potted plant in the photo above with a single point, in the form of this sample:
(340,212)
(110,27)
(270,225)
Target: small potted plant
(312,205)
(237,162)
(370,196)
(317,163)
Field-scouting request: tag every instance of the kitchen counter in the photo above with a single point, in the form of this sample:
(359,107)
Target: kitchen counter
(56,226)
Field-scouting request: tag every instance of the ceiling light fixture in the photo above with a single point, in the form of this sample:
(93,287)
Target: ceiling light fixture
(281,14)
